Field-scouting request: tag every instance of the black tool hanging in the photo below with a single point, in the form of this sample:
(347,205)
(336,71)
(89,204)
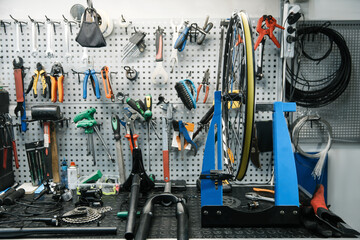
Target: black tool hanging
(90,34)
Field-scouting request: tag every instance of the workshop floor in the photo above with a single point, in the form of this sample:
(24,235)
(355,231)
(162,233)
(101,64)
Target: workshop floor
(164,221)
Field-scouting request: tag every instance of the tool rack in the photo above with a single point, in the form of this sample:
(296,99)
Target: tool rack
(72,141)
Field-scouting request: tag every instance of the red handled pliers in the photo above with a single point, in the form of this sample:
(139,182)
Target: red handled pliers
(206,88)
(270,23)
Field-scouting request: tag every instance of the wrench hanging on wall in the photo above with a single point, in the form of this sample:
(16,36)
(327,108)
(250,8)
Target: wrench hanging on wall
(35,31)
(18,30)
(67,33)
(159,70)
(176,31)
(50,31)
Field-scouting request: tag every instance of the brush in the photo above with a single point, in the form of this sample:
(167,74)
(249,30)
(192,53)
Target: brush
(184,89)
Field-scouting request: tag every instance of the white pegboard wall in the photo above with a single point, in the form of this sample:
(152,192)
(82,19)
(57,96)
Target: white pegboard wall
(72,141)
(345,119)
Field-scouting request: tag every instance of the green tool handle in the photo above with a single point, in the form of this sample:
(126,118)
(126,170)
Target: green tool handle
(125,214)
(88,114)
(135,105)
(148,107)
(115,123)
(86,123)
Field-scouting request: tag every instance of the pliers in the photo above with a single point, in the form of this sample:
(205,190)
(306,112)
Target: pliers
(107,85)
(45,81)
(206,88)
(130,129)
(57,82)
(94,83)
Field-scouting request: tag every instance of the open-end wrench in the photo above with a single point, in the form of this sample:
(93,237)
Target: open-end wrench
(35,30)
(159,70)
(50,30)
(18,31)
(67,33)
(174,57)
(254,196)
(85,56)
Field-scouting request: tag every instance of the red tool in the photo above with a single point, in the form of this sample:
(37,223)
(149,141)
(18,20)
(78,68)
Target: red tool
(12,136)
(130,130)
(206,88)
(270,23)
(4,157)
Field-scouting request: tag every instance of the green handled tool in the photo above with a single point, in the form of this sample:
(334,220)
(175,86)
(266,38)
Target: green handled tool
(148,116)
(115,123)
(136,105)
(87,114)
(86,120)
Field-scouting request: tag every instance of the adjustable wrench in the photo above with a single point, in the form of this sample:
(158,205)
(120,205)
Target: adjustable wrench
(176,31)
(159,70)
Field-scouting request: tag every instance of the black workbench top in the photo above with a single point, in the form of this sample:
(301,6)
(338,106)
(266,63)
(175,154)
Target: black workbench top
(164,221)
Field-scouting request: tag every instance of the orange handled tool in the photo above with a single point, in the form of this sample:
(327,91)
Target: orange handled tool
(263,190)
(206,88)
(135,136)
(57,82)
(107,85)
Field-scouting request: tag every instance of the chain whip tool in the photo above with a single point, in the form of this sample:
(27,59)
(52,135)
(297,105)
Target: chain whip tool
(174,57)
(159,70)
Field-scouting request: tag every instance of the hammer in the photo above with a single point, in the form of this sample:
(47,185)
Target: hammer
(48,114)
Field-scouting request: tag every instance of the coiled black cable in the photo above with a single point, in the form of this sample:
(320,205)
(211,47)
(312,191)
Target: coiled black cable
(318,92)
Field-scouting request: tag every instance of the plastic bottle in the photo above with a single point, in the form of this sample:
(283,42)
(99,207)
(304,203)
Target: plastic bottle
(72,176)
(64,177)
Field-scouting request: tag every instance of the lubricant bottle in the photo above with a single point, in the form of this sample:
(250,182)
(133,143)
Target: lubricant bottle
(72,176)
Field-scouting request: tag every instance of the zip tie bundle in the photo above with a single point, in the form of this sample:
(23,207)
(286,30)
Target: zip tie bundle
(322,154)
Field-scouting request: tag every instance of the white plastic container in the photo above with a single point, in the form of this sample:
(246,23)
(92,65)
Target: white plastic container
(73,175)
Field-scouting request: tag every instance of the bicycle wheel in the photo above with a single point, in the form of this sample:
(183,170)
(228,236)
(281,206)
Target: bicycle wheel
(239,77)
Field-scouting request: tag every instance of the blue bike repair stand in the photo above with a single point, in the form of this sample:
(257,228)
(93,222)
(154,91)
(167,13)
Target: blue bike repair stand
(285,212)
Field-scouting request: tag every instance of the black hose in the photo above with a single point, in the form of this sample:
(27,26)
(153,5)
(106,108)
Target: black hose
(71,231)
(134,199)
(318,92)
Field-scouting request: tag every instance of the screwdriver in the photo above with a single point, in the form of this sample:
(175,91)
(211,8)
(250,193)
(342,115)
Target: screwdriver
(148,116)
(115,123)
(136,105)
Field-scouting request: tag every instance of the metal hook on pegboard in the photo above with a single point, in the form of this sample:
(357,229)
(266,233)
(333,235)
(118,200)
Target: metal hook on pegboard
(3,24)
